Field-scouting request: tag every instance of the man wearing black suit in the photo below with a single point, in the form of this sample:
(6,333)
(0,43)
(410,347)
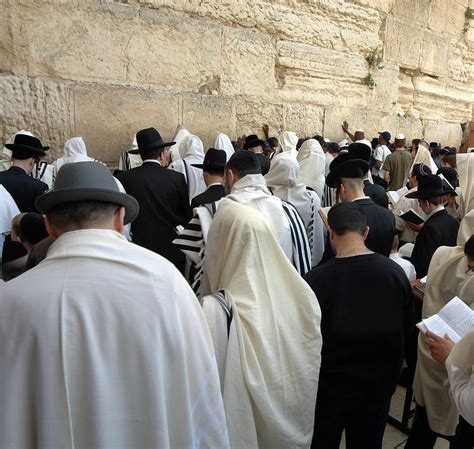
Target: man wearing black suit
(26,151)
(255,145)
(213,173)
(440,228)
(374,191)
(162,195)
(346,175)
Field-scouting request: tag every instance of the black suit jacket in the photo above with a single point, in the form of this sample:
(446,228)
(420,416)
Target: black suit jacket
(164,204)
(381,223)
(439,230)
(23,188)
(377,193)
(211,195)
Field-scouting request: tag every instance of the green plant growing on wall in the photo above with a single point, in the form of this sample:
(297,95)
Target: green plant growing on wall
(374,61)
(469,15)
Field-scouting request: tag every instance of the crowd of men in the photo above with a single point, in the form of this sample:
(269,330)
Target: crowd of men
(257,294)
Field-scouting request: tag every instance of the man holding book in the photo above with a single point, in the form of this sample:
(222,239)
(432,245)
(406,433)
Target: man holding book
(449,275)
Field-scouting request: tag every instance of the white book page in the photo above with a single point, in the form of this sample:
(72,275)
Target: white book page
(403,190)
(458,315)
(438,326)
(393,196)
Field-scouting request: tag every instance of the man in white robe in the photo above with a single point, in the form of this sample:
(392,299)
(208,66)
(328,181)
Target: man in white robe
(284,180)
(103,344)
(265,325)
(436,415)
(312,166)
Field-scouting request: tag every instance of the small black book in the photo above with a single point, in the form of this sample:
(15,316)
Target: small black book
(412,217)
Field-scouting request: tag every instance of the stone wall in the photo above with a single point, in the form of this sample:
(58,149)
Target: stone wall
(104,69)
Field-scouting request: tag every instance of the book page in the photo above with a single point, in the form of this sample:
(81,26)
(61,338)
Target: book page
(402,191)
(438,326)
(458,315)
(393,196)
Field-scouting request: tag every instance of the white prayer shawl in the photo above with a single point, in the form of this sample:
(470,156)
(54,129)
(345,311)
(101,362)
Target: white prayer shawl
(423,156)
(223,142)
(465,167)
(128,160)
(6,156)
(191,151)
(288,225)
(446,278)
(288,142)
(403,205)
(86,364)
(283,180)
(181,133)
(312,166)
(8,210)
(43,172)
(329,159)
(74,151)
(270,363)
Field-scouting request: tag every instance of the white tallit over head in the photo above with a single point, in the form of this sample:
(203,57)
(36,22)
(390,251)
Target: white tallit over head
(223,142)
(277,321)
(283,179)
(447,278)
(6,156)
(74,151)
(180,134)
(288,142)
(8,210)
(423,156)
(191,151)
(312,165)
(252,190)
(465,167)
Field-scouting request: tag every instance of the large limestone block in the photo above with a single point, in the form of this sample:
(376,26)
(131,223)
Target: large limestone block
(434,53)
(444,133)
(6,37)
(461,62)
(205,115)
(371,122)
(447,16)
(251,114)
(40,106)
(248,63)
(107,117)
(117,43)
(305,120)
(417,11)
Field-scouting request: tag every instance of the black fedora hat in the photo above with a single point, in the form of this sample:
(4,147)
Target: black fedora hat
(252,141)
(86,181)
(346,166)
(150,139)
(364,152)
(429,186)
(213,160)
(27,144)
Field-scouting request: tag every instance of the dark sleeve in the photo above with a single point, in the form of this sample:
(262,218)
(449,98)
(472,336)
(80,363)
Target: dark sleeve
(408,314)
(185,211)
(424,248)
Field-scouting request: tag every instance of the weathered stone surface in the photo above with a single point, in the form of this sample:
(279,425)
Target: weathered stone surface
(205,115)
(107,117)
(232,66)
(443,133)
(40,106)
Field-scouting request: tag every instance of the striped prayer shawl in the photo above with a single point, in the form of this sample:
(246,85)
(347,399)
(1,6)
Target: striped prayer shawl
(301,249)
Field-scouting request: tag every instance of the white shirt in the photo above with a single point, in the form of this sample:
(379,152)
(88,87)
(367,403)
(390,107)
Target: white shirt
(461,391)
(380,153)
(434,211)
(153,160)
(407,266)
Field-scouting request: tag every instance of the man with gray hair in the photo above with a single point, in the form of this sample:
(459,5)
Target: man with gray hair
(103,344)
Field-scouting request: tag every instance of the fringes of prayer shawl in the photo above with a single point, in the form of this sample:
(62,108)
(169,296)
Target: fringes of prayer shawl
(299,237)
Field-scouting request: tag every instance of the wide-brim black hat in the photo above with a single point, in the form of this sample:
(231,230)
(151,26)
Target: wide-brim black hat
(87,181)
(346,166)
(213,160)
(429,186)
(364,152)
(150,139)
(24,142)
(252,141)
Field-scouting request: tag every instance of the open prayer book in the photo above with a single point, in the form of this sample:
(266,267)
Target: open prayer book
(323,213)
(412,217)
(455,319)
(394,195)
